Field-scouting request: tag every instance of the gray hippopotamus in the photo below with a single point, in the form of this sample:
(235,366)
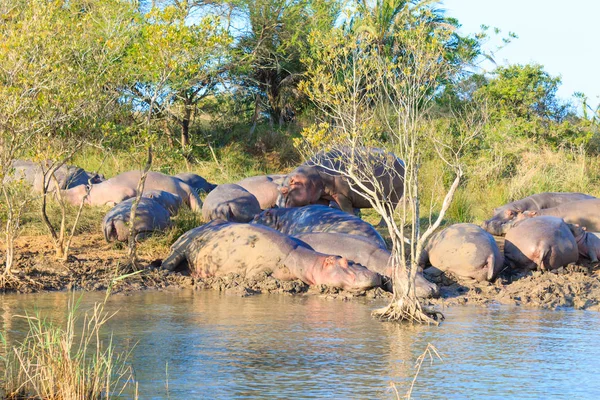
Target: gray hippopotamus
(588,243)
(219,248)
(196,181)
(364,252)
(321,179)
(264,188)
(230,202)
(121,186)
(317,218)
(171,202)
(465,250)
(150,216)
(504,216)
(583,212)
(67,176)
(544,242)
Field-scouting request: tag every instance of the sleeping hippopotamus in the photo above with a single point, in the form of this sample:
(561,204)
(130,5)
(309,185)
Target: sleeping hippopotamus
(504,216)
(104,194)
(126,183)
(219,248)
(230,202)
(465,250)
(364,252)
(317,218)
(583,212)
(542,242)
(171,202)
(150,216)
(588,243)
(319,179)
(67,176)
(198,183)
(264,188)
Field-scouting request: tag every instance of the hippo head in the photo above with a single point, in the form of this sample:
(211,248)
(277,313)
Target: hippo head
(268,218)
(339,272)
(578,231)
(300,188)
(501,222)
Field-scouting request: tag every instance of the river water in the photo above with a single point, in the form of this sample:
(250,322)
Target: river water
(205,344)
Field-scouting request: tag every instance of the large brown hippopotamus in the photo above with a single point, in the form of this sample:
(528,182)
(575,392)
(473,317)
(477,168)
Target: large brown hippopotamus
(588,243)
(465,250)
(320,179)
(198,183)
(150,216)
(364,252)
(122,185)
(504,216)
(583,212)
(65,177)
(264,187)
(544,242)
(230,202)
(219,248)
(317,218)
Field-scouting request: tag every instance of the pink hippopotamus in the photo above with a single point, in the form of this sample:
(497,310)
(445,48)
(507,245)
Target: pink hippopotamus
(583,212)
(230,202)
(264,187)
(504,217)
(543,242)
(150,217)
(123,186)
(220,248)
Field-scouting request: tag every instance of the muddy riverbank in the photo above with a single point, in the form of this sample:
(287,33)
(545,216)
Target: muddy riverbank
(96,266)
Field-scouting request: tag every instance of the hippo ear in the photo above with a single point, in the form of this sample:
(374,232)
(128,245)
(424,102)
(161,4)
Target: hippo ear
(509,213)
(343,263)
(583,227)
(283,190)
(329,262)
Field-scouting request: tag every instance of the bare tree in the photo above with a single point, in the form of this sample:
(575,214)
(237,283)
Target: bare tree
(369,99)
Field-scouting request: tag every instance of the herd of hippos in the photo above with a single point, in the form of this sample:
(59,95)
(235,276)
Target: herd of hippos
(302,225)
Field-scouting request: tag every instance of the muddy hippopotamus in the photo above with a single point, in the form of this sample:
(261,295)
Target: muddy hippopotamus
(264,188)
(320,179)
(583,212)
(121,186)
(465,250)
(150,216)
(67,176)
(230,202)
(317,218)
(504,216)
(542,242)
(364,252)
(198,183)
(171,202)
(588,243)
(219,248)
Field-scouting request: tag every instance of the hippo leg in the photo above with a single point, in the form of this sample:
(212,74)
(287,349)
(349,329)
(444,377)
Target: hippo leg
(543,260)
(593,256)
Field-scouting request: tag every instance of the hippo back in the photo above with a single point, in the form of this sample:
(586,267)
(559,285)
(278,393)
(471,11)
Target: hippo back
(230,202)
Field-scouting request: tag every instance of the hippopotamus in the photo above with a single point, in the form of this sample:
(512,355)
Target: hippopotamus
(230,202)
(171,202)
(264,188)
(65,176)
(219,248)
(104,194)
(465,250)
(588,243)
(544,242)
(196,181)
(121,186)
(317,218)
(364,252)
(150,216)
(583,212)
(321,179)
(504,216)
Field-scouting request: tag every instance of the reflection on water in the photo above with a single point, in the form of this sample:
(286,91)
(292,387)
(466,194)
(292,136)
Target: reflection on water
(212,345)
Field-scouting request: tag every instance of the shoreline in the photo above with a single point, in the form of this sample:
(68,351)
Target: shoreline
(93,265)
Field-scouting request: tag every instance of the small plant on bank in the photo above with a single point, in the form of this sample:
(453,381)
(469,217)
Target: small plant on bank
(59,362)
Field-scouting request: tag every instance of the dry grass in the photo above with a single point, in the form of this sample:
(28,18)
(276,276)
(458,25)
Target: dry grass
(74,361)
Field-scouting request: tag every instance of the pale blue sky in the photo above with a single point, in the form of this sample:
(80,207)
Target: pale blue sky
(563,36)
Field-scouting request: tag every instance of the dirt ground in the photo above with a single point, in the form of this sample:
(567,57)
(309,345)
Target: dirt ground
(97,265)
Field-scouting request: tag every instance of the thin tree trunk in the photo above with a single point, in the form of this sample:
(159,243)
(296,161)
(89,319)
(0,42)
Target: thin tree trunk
(132,251)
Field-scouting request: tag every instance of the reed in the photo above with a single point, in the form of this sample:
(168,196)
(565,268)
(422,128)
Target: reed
(74,361)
